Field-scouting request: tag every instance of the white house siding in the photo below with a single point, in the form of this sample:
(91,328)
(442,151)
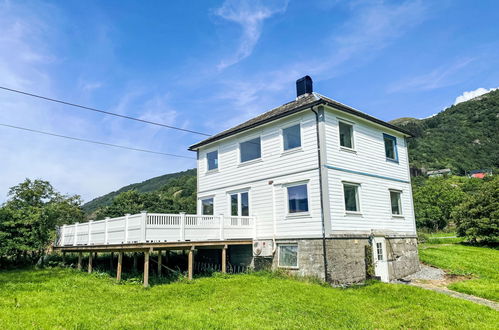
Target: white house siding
(281,168)
(370,164)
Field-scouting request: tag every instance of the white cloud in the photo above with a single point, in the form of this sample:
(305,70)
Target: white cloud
(250,15)
(466,96)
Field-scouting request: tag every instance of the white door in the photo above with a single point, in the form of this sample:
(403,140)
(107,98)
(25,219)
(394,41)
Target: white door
(380,259)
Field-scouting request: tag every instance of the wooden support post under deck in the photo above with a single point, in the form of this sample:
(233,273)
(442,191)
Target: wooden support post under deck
(191,263)
(146,269)
(160,254)
(120,266)
(80,257)
(90,256)
(224,259)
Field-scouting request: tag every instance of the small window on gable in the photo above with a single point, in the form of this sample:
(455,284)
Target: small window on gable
(288,255)
(291,137)
(390,147)
(297,199)
(351,195)
(396,202)
(250,150)
(346,135)
(207,206)
(212,159)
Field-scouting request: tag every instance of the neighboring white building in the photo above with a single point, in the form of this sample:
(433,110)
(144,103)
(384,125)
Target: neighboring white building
(328,185)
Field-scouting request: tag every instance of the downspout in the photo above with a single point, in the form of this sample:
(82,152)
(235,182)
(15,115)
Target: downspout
(321,195)
(274,218)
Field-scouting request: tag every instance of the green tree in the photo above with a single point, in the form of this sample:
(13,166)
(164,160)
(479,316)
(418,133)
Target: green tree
(29,218)
(477,217)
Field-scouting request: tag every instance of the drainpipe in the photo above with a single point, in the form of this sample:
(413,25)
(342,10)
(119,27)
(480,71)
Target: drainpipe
(320,188)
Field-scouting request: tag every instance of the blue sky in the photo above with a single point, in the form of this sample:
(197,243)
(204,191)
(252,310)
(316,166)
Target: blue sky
(208,65)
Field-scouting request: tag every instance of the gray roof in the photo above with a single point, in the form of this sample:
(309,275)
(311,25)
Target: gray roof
(302,103)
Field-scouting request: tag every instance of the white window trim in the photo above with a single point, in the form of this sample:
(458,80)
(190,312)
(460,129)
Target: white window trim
(358,197)
(252,161)
(279,255)
(239,203)
(354,144)
(200,203)
(206,160)
(401,215)
(296,149)
(290,215)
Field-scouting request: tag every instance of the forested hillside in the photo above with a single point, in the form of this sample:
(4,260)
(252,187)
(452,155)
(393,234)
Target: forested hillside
(463,137)
(155,184)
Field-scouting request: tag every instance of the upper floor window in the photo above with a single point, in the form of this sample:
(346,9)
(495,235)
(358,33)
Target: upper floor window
(239,204)
(351,195)
(212,159)
(346,135)
(207,206)
(390,147)
(396,202)
(291,137)
(297,199)
(250,150)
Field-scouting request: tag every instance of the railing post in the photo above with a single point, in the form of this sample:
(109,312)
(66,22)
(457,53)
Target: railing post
(90,232)
(76,234)
(143,224)
(221,219)
(106,230)
(126,227)
(182,226)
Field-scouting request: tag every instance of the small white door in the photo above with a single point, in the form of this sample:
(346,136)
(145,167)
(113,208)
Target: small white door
(380,259)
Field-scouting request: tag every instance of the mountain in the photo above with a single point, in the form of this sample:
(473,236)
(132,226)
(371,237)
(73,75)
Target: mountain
(463,137)
(149,185)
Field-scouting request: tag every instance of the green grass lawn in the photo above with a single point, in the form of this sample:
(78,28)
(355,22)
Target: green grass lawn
(64,298)
(480,262)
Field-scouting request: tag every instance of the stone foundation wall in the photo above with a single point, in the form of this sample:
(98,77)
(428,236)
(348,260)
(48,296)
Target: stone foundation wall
(346,258)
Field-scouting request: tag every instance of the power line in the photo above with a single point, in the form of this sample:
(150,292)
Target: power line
(102,111)
(95,142)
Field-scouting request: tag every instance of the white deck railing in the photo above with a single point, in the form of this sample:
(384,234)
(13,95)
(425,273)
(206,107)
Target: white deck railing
(156,227)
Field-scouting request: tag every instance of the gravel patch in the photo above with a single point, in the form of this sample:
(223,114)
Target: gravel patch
(426,273)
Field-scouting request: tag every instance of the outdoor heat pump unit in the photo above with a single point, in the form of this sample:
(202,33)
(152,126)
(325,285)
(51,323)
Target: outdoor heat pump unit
(263,248)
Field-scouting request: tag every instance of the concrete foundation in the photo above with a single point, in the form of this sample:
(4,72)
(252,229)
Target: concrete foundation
(347,258)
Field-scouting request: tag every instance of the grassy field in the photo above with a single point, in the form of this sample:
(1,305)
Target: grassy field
(64,298)
(479,262)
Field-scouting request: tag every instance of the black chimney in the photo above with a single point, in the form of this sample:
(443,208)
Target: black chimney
(304,86)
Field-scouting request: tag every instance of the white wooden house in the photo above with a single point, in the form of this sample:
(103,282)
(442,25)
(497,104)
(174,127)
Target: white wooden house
(325,183)
(313,186)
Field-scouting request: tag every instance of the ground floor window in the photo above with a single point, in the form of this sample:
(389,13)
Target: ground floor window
(351,193)
(207,206)
(239,204)
(298,199)
(396,202)
(379,251)
(288,255)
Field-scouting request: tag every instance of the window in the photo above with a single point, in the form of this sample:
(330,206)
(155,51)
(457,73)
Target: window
(207,206)
(351,192)
(291,137)
(297,199)
(346,135)
(250,150)
(379,251)
(239,204)
(212,158)
(288,255)
(396,202)
(390,147)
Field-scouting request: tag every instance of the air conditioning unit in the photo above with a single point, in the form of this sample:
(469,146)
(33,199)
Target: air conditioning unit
(263,248)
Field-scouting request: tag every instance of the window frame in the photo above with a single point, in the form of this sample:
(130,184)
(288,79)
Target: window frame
(357,197)
(239,202)
(352,125)
(399,192)
(279,255)
(207,162)
(297,214)
(201,199)
(395,148)
(300,147)
(254,160)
